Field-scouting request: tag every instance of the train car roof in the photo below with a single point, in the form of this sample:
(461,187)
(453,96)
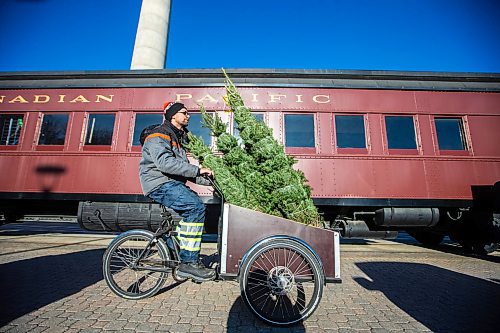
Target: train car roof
(359,79)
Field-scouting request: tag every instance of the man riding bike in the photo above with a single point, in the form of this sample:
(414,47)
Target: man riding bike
(164,170)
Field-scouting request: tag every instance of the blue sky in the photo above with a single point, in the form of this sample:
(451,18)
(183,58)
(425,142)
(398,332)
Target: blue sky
(408,35)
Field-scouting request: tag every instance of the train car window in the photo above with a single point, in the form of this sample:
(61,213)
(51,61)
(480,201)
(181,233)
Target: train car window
(450,133)
(236,131)
(10,129)
(53,130)
(299,130)
(100,129)
(400,132)
(350,131)
(142,121)
(195,127)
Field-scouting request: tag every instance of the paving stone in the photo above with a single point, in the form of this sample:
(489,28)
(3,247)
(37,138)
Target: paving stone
(326,324)
(36,321)
(218,314)
(217,321)
(336,318)
(90,330)
(164,328)
(139,318)
(184,320)
(146,312)
(359,325)
(146,327)
(115,325)
(190,313)
(130,326)
(69,322)
(82,315)
(391,326)
(169,320)
(204,313)
(100,324)
(214,329)
(346,330)
(59,329)
(197,329)
(52,322)
(378,330)
(373,325)
(19,328)
(181,328)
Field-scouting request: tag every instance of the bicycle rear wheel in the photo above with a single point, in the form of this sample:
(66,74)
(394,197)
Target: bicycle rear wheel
(129,277)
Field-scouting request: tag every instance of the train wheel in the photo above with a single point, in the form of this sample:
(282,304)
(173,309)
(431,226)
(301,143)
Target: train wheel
(12,216)
(479,248)
(487,248)
(485,241)
(281,282)
(124,275)
(427,238)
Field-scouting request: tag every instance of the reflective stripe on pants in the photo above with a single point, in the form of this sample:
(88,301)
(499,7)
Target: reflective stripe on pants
(189,235)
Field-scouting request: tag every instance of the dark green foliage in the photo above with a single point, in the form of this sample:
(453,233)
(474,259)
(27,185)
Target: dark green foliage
(256,174)
(234,191)
(226,143)
(214,123)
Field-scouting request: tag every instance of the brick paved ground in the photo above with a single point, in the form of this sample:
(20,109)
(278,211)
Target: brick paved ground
(53,283)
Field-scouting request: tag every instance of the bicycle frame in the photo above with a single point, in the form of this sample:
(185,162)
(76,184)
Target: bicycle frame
(165,228)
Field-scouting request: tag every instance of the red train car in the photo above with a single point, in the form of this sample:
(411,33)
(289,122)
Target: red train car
(383,151)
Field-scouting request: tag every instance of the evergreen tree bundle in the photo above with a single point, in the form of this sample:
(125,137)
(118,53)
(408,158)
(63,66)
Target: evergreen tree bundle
(232,188)
(258,168)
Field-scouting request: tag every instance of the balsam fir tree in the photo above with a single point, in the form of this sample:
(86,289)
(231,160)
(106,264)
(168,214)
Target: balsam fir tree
(256,174)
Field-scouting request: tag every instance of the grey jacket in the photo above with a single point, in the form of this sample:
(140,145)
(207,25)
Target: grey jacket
(164,159)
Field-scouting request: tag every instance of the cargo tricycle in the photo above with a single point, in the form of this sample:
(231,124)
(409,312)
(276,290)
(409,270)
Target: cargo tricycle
(281,265)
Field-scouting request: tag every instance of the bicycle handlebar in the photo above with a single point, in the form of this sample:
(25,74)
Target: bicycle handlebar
(214,184)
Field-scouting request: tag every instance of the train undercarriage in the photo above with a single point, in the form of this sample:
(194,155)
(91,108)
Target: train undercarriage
(475,227)
(476,231)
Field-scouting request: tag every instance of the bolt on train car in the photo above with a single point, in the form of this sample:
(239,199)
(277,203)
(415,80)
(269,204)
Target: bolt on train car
(383,151)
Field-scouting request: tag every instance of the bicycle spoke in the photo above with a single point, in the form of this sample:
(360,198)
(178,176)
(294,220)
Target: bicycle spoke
(123,257)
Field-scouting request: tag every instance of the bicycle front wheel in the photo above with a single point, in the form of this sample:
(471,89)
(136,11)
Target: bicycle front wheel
(127,275)
(282,282)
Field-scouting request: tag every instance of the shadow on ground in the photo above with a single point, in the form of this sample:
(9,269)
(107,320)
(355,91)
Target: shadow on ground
(438,298)
(27,285)
(241,319)
(37,228)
